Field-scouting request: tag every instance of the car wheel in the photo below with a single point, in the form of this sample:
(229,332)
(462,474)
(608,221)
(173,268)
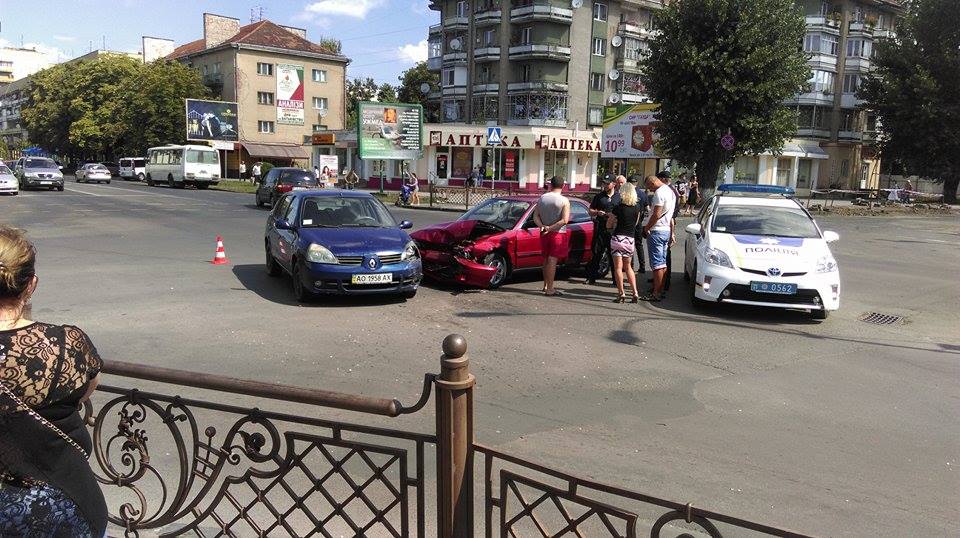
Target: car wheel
(300,292)
(108,182)
(202,186)
(259,202)
(139,177)
(497,260)
(60,188)
(150,182)
(273,268)
(170,181)
(819,314)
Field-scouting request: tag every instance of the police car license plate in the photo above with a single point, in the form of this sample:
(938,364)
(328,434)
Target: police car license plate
(778,288)
(374,278)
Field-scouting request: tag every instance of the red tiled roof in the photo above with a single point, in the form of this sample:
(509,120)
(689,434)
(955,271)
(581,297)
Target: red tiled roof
(262,33)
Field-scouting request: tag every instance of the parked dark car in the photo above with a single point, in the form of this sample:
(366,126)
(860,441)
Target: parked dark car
(335,242)
(281,180)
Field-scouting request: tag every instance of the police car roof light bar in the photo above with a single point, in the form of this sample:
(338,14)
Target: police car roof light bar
(755,189)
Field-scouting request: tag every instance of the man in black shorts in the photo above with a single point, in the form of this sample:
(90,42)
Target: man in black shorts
(601,206)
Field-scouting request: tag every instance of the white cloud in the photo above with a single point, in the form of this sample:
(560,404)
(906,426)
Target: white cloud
(357,9)
(414,52)
(64,38)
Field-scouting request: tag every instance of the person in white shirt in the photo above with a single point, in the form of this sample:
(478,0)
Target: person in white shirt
(659,232)
(256,172)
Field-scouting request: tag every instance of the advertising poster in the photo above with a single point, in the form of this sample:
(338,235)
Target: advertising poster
(391,131)
(211,120)
(329,166)
(290,94)
(629,132)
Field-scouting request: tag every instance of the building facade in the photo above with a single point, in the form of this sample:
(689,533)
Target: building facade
(18,62)
(251,64)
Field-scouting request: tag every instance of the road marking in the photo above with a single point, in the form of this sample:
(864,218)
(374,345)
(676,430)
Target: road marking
(84,192)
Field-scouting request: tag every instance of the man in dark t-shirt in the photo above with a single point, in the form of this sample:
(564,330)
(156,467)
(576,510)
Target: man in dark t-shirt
(643,202)
(600,208)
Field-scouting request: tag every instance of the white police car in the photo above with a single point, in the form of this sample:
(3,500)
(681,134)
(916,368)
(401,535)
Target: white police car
(756,245)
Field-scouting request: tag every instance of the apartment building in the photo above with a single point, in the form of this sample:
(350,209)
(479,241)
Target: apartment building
(20,62)
(835,141)
(542,70)
(254,65)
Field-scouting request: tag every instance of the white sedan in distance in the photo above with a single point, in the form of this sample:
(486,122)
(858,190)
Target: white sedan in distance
(93,172)
(757,245)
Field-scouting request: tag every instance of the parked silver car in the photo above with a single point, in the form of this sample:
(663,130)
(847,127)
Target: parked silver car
(8,181)
(39,172)
(93,172)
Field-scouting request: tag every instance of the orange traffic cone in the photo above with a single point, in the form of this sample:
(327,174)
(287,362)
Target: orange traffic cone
(220,258)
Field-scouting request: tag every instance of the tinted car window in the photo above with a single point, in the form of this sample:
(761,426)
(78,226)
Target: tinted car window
(297,177)
(139,163)
(270,177)
(501,213)
(578,213)
(282,206)
(773,221)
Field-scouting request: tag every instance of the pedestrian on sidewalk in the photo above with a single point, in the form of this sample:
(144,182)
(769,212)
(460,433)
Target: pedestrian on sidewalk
(551,215)
(622,224)
(664,176)
(693,195)
(643,203)
(659,233)
(256,172)
(600,209)
(243,170)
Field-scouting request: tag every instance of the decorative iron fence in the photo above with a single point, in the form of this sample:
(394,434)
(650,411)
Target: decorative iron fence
(175,466)
(464,196)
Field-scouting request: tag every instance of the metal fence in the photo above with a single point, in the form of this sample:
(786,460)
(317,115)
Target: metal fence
(211,468)
(465,197)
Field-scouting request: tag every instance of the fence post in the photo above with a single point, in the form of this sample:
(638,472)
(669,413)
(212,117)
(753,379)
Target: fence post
(431,194)
(455,441)
(466,197)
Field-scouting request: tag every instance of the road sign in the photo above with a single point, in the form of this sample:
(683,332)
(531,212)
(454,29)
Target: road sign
(494,136)
(727,142)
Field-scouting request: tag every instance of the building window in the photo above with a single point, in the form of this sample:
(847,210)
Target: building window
(804,171)
(824,9)
(489,38)
(851,83)
(525,73)
(820,44)
(264,69)
(216,68)
(266,127)
(599,46)
(319,75)
(485,75)
(595,116)
(844,168)
(265,98)
(447,78)
(435,48)
(461,9)
(858,48)
(821,81)
(597,81)
(784,166)
(599,12)
(632,47)
(525,35)
(320,103)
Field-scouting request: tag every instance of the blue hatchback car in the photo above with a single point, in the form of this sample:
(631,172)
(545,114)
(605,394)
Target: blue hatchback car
(335,242)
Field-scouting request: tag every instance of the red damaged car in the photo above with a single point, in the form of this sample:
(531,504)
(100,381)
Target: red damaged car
(494,239)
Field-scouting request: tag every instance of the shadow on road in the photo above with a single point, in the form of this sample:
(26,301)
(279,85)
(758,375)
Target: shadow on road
(279,290)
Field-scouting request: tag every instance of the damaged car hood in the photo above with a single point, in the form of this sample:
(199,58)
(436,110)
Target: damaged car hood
(451,233)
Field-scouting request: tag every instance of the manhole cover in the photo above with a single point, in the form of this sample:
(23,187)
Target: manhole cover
(881,319)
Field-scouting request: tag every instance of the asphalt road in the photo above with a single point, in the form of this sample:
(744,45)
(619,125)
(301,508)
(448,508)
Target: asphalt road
(838,428)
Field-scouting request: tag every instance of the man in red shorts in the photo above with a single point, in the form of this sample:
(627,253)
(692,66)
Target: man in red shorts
(552,215)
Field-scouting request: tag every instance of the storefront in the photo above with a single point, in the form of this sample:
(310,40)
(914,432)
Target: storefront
(797,166)
(525,160)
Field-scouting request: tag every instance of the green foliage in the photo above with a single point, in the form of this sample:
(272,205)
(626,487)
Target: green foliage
(725,65)
(110,105)
(387,93)
(915,91)
(358,90)
(410,92)
(264,168)
(331,44)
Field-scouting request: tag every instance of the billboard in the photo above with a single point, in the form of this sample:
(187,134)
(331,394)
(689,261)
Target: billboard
(628,132)
(212,120)
(290,94)
(390,131)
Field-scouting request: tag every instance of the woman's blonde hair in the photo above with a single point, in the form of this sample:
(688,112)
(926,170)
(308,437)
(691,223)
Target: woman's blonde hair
(17,263)
(628,194)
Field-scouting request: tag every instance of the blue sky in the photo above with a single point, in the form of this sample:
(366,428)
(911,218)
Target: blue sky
(382,37)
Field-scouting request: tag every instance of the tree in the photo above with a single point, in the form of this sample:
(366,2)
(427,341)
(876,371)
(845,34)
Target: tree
(331,44)
(387,93)
(411,82)
(358,90)
(723,66)
(915,91)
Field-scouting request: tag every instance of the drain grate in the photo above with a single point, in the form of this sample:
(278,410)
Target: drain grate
(881,319)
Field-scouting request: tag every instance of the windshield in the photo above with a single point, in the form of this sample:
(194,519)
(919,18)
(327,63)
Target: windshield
(4,169)
(202,157)
(97,167)
(772,221)
(501,213)
(337,212)
(39,163)
(297,177)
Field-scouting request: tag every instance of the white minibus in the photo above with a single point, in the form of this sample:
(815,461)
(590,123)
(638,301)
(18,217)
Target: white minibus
(178,166)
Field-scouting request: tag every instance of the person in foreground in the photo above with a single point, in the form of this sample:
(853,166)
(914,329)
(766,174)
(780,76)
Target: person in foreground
(552,215)
(47,488)
(622,225)
(659,233)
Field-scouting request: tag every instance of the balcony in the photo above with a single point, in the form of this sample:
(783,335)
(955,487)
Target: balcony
(454,58)
(823,24)
(213,80)
(884,34)
(489,86)
(435,63)
(486,54)
(486,108)
(823,62)
(456,23)
(861,28)
(487,17)
(453,90)
(547,109)
(436,29)
(542,85)
(852,136)
(813,132)
(849,100)
(814,98)
(543,52)
(634,29)
(870,137)
(541,12)
(857,63)
(628,64)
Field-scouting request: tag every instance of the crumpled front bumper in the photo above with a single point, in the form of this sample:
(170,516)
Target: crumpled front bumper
(447,267)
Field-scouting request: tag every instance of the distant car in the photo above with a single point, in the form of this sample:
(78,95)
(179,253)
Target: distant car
(113,167)
(133,168)
(335,242)
(8,181)
(488,243)
(39,172)
(280,180)
(93,172)
(757,245)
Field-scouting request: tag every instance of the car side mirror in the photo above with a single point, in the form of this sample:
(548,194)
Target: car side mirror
(830,237)
(60,167)
(693,228)
(406,225)
(283,224)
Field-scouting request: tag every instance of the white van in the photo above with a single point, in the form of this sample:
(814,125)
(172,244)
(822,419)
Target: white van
(133,168)
(178,166)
